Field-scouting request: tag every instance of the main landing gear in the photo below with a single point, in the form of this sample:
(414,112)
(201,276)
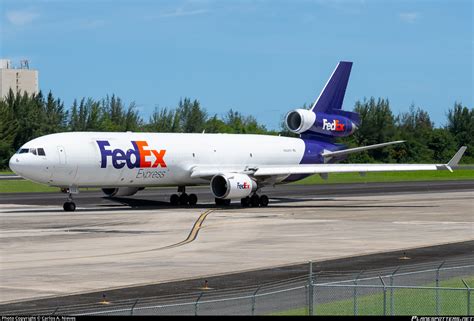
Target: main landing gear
(254,201)
(183,198)
(222,202)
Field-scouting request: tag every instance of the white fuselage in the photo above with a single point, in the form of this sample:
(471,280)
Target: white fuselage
(76,159)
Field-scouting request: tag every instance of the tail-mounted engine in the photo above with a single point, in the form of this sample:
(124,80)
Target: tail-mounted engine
(306,121)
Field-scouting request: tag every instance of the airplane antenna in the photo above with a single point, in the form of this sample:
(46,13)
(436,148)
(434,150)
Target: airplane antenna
(24,64)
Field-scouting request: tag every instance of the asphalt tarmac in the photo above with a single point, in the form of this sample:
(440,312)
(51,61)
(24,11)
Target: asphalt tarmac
(238,284)
(159,197)
(51,258)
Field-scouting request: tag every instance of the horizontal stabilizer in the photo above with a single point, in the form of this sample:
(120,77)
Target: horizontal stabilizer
(327,154)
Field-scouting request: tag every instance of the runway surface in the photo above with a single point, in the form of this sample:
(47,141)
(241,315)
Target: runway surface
(116,244)
(158,197)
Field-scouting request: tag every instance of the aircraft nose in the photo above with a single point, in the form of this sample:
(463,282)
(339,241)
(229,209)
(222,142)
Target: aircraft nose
(14,164)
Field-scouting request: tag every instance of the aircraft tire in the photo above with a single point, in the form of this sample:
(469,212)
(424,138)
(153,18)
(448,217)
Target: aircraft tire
(192,199)
(245,202)
(255,200)
(183,199)
(174,199)
(264,200)
(69,206)
(222,202)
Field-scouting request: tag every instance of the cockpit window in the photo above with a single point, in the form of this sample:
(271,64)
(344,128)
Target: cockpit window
(34,151)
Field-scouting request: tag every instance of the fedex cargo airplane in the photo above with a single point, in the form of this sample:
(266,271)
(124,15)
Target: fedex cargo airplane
(236,166)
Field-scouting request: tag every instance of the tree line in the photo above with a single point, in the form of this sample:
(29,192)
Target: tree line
(24,117)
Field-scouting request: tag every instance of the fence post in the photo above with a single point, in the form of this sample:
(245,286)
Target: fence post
(310,289)
(468,297)
(437,290)
(253,300)
(392,305)
(355,292)
(133,306)
(55,310)
(384,296)
(196,304)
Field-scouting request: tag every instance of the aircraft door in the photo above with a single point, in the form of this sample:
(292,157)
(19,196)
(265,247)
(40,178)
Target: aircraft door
(63,173)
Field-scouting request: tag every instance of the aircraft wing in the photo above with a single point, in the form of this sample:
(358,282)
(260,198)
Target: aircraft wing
(344,168)
(356,168)
(281,170)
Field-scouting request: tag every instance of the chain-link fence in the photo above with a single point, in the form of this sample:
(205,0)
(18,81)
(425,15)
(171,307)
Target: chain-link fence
(413,290)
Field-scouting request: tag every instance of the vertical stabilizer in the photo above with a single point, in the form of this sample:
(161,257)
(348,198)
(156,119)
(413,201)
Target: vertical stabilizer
(332,95)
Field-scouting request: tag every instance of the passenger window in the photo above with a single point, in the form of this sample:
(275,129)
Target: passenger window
(33,151)
(41,152)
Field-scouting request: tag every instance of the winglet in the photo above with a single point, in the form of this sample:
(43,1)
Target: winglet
(456,158)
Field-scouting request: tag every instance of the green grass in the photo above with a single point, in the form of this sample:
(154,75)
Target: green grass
(460,174)
(406,301)
(19,186)
(24,186)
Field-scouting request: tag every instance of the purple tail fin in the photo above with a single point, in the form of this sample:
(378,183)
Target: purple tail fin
(332,96)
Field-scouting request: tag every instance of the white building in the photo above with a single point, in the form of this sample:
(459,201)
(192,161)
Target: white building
(22,79)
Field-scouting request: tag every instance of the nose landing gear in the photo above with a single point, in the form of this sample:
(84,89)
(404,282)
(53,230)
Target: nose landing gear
(69,205)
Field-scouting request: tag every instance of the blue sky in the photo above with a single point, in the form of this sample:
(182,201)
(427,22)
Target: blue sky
(259,57)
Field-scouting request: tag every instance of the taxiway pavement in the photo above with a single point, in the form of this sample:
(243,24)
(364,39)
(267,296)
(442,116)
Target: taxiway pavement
(109,244)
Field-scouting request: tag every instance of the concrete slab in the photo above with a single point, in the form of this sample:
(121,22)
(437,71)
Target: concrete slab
(47,252)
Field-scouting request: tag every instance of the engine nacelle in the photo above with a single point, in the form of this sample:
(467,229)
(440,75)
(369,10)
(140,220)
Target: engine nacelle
(121,191)
(230,185)
(300,120)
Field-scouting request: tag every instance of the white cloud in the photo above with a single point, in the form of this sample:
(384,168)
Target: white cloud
(92,24)
(180,12)
(21,17)
(409,17)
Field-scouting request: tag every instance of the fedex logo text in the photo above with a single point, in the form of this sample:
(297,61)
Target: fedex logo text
(336,125)
(243,186)
(133,158)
